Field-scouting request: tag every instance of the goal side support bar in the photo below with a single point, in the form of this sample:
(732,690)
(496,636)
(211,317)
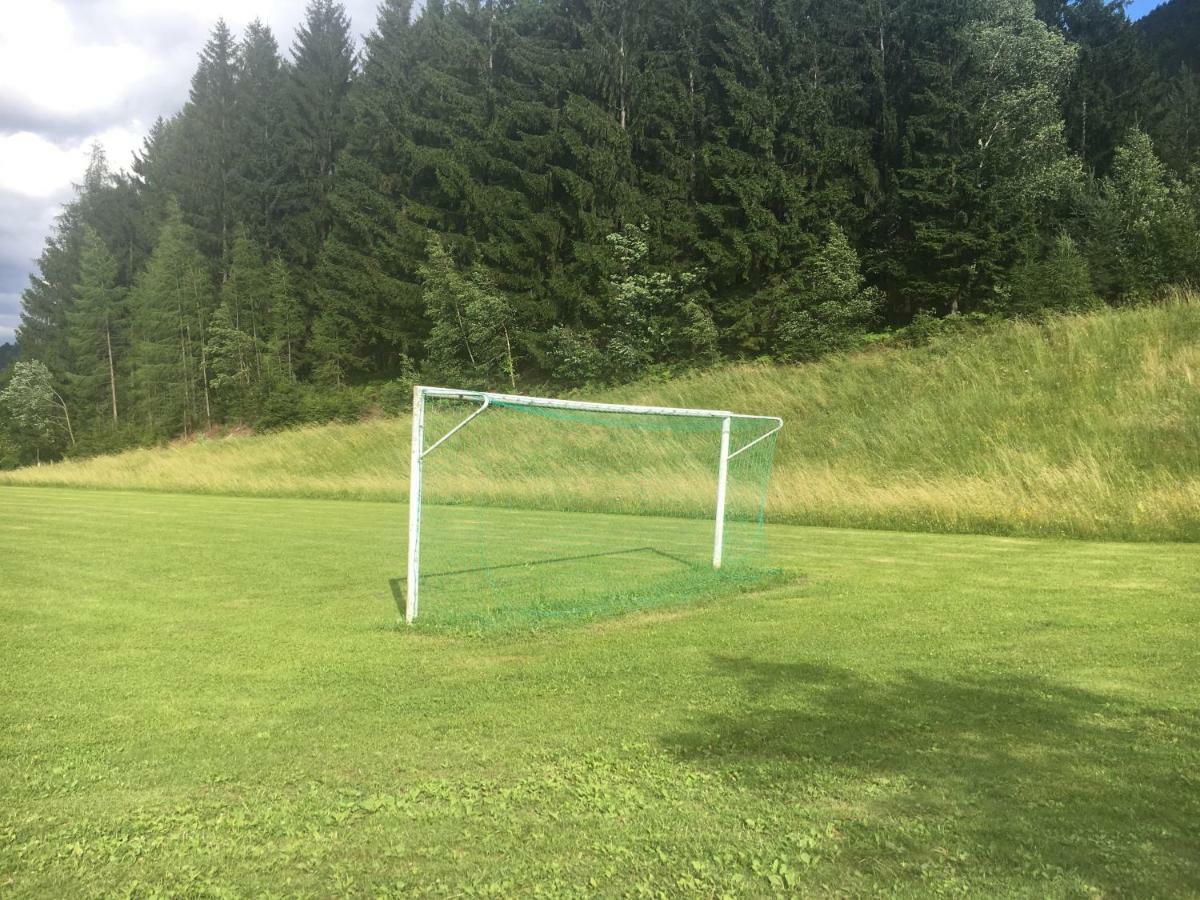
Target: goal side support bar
(486,399)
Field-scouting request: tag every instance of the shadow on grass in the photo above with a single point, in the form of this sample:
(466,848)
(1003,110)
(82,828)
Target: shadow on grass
(553,560)
(399,586)
(1026,776)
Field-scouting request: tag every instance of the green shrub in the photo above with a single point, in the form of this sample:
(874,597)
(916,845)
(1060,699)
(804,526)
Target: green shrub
(825,304)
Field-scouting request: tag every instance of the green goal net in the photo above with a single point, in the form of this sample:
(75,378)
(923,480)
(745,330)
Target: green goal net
(532,511)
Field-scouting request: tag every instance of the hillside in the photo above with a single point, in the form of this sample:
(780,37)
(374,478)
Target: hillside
(1173,34)
(1084,426)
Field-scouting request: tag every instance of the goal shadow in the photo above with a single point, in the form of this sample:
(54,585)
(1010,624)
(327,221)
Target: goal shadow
(398,585)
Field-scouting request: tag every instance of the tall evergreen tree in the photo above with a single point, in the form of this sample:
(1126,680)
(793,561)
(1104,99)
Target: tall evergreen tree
(97,331)
(324,60)
(984,150)
(245,296)
(1143,234)
(287,322)
(366,273)
(471,338)
(1112,88)
(210,146)
(171,304)
(259,179)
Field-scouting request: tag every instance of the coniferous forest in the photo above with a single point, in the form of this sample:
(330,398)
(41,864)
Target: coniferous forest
(517,193)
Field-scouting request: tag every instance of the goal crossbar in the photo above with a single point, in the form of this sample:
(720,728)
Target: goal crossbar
(487,399)
(586,405)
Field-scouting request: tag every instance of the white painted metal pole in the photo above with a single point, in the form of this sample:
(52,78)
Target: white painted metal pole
(414,504)
(722,479)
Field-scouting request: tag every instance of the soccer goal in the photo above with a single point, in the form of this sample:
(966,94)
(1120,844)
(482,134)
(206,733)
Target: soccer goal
(535,507)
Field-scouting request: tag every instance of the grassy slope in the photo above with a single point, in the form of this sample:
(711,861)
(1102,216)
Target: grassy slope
(1084,427)
(207,695)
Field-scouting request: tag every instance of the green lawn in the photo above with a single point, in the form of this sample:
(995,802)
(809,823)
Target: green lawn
(210,695)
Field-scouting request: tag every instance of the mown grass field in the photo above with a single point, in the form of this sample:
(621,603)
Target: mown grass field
(1085,426)
(210,695)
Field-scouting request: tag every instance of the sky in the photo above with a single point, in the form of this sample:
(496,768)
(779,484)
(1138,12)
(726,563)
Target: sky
(77,71)
(73,72)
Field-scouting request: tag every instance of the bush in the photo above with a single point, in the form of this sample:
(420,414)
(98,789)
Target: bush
(1060,281)
(928,327)
(10,457)
(280,407)
(825,304)
(104,439)
(395,396)
(324,404)
(574,357)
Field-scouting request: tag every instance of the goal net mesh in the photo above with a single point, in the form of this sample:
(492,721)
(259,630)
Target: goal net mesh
(535,514)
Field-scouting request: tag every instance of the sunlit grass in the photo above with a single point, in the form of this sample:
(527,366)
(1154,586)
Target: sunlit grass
(210,696)
(1083,426)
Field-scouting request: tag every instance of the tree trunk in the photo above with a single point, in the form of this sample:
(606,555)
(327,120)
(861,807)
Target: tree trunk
(512,369)
(66,416)
(112,372)
(204,381)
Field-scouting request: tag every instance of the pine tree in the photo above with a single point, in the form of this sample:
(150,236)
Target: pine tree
(208,154)
(97,331)
(1060,281)
(171,305)
(259,179)
(246,296)
(825,304)
(1143,234)
(471,339)
(287,321)
(319,80)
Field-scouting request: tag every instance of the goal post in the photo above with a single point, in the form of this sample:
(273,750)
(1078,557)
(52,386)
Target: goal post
(477,405)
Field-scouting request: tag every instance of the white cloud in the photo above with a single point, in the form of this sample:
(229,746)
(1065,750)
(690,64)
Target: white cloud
(33,166)
(42,57)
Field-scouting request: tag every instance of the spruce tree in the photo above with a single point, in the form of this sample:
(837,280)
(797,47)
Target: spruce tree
(985,159)
(825,304)
(1142,232)
(246,296)
(208,154)
(1060,281)
(471,337)
(286,322)
(1113,85)
(1176,127)
(171,306)
(319,79)
(259,179)
(97,332)
(230,359)
(43,329)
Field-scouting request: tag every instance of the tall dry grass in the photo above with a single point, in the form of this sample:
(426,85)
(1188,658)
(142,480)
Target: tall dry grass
(1085,426)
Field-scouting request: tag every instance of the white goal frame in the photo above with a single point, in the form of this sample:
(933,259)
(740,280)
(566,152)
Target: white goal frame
(486,398)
